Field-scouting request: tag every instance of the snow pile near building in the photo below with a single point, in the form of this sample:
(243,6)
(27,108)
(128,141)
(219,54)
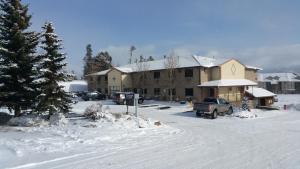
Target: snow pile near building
(28,120)
(292,101)
(35,120)
(246,114)
(97,113)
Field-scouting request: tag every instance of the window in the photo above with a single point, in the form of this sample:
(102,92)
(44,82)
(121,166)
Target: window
(156,75)
(156,91)
(189,92)
(105,78)
(211,92)
(173,91)
(127,90)
(222,101)
(91,79)
(213,100)
(99,78)
(145,91)
(188,73)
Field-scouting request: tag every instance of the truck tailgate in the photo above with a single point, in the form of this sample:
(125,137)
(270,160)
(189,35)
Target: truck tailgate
(203,107)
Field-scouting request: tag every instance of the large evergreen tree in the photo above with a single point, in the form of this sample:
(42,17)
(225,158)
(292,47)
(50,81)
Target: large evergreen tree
(102,61)
(53,99)
(88,60)
(17,57)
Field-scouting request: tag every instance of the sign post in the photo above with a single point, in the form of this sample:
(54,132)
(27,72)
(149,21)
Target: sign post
(136,98)
(129,97)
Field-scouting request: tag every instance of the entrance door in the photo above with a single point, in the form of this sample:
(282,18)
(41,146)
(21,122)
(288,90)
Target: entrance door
(262,102)
(211,92)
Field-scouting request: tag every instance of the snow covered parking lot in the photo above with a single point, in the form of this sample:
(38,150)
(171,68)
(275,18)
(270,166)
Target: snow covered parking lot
(183,141)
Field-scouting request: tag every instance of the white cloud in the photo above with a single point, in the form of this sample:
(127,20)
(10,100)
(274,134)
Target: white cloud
(272,58)
(275,58)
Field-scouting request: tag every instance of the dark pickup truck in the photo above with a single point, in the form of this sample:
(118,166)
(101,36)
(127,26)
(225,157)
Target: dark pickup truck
(212,107)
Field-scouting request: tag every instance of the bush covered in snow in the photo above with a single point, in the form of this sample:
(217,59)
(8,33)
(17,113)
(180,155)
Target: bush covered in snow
(96,112)
(93,111)
(28,120)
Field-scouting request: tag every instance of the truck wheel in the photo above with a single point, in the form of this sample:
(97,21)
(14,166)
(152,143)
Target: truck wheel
(214,115)
(140,101)
(198,114)
(230,111)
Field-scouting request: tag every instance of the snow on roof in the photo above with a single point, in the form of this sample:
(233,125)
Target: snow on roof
(253,67)
(74,86)
(259,92)
(228,82)
(158,65)
(104,72)
(183,62)
(209,62)
(278,77)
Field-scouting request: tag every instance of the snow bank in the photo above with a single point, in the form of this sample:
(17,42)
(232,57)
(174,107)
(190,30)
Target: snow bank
(27,121)
(58,119)
(245,114)
(293,107)
(96,112)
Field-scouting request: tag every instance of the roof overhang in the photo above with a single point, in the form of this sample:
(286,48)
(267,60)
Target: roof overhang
(259,92)
(101,73)
(228,83)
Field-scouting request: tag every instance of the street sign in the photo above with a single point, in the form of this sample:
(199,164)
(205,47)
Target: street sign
(136,96)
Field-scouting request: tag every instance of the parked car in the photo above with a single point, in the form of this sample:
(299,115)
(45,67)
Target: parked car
(120,98)
(74,98)
(93,96)
(213,107)
(275,99)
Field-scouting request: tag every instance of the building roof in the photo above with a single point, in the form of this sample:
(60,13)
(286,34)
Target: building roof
(259,92)
(228,82)
(104,72)
(183,62)
(278,77)
(253,67)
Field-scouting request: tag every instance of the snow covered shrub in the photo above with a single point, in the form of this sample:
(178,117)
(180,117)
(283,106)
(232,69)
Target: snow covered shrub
(157,123)
(58,119)
(28,120)
(93,111)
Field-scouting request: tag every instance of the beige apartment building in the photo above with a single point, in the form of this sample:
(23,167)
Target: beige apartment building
(194,77)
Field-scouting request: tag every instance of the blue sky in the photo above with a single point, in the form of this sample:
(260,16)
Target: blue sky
(263,33)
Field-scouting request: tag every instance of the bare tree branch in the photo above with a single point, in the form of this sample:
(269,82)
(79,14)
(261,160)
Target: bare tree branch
(171,63)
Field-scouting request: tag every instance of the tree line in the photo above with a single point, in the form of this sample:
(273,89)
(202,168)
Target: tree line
(103,60)
(29,80)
